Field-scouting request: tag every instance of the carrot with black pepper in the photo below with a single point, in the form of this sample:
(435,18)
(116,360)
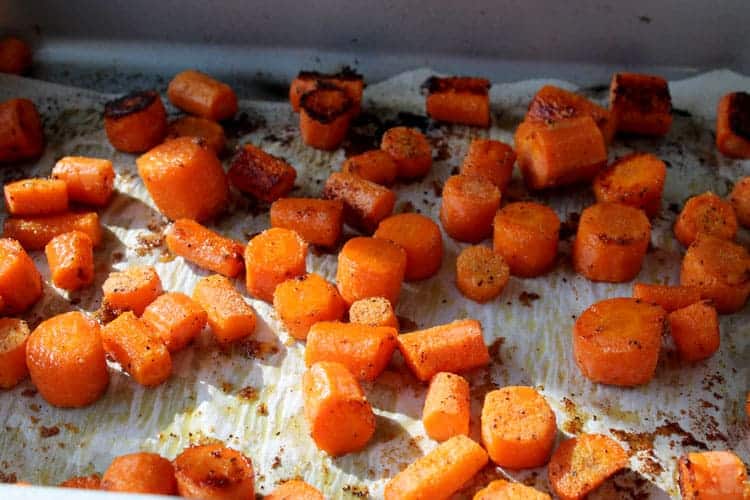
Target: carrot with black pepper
(365,203)
(410,149)
(636,180)
(20,281)
(33,233)
(303,301)
(36,197)
(131,289)
(228,315)
(481,274)
(446,408)
(459,99)
(140,473)
(214,472)
(14,333)
(88,180)
(468,206)
(420,238)
(272,257)
(640,104)
(493,160)
(318,222)
(260,174)
(526,235)
(706,213)
(135,122)
(205,248)
(325,114)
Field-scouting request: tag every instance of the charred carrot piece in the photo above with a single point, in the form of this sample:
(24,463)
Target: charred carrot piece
(375,166)
(454,347)
(481,274)
(140,473)
(229,316)
(214,472)
(526,234)
(733,125)
(205,248)
(446,407)
(669,297)
(712,475)
(410,149)
(71,260)
(199,94)
(36,197)
(92,482)
(175,319)
(370,267)
(203,128)
(20,282)
(340,419)
(260,174)
(13,336)
(490,159)
(33,233)
(66,360)
(347,80)
(640,104)
(695,331)
(706,213)
(365,203)
(15,56)
(132,289)
(617,341)
(740,200)
(295,490)
(88,180)
(272,257)
(324,117)
(318,222)
(305,300)
(363,350)
(21,134)
(135,122)
(501,489)
(468,206)
(420,238)
(636,180)
(440,473)
(459,99)
(373,311)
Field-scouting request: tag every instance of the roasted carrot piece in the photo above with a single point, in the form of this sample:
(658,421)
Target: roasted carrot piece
(15,56)
(340,418)
(185,179)
(410,149)
(20,282)
(481,274)
(617,341)
(526,234)
(272,257)
(66,360)
(636,180)
(21,134)
(611,242)
(440,473)
(453,347)
(229,316)
(71,260)
(740,200)
(712,475)
(305,300)
(13,336)
(459,99)
(640,104)
(135,122)
(706,213)
(132,289)
(370,267)
(199,94)
(373,311)
(92,482)
(175,319)
(318,222)
(559,153)
(695,331)
(36,197)
(88,180)
(669,297)
(581,464)
(347,80)
(33,233)
(468,206)
(295,490)
(375,166)
(446,407)
(324,117)
(490,159)
(261,174)
(733,125)
(205,248)
(420,238)
(720,269)
(365,203)
(363,350)
(140,473)
(501,489)
(195,126)
(214,472)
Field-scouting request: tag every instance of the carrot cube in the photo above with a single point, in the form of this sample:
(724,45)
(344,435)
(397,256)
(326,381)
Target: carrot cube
(740,200)
(420,238)
(272,257)
(175,319)
(459,99)
(446,407)
(33,233)
(636,180)
(21,134)
(712,475)
(468,206)
(135,122)
(295,489)
(71,260)
(36,197)
(669,297)
(365,203)
(195,126)
(213,471)
(640,104)
(132,289)
(205,248)
(20,282)
(370,267)
(481,274)
(13,336)
(89,180)
(526,234)
(733,125)
(15,56)
(229,316)
(347,80)
(324,117)
(410,149)
(199,94)
(501,489)
(373,311)
(140,473)
(306,300)
(260,174)
(375,166)
(490,159)
(695,330)
(318,222)
(708,214)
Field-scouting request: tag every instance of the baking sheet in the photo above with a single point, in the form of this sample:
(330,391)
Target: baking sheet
(249,396)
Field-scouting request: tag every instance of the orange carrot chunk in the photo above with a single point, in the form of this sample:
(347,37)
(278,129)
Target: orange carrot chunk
(373,311)
(13,336)
(581,464)
(526,234)
(185,179)
(305,300)
(347,80)
(505,490)
(459,99)
(720,269)
(66,360)
(611,242)
(194,126)
(88,180)
(453,347)
(365,203)
(295,490)
(175,319)
(468,206)
(446,407)
(712,475)
(132,289)
(420,238)
(363,350)
(92,482)
(695,331)
(617,341)
(481,274)
(492,160)
(640,104)
(318,222)
(21,133)
(33,233)
(140,473)
(199,94)
(669,297)
(261,174)
(71,260)
(375,166)
(636,180)
(340,419)
(740,200)
(410,149)
(370,267)
(205,248)
(36,197)
(15,56)
(325,113)
(135,122)
(272,257)
(706,213)
(214,472)
(20,282)
(733,125)
(440,473)
(229,316)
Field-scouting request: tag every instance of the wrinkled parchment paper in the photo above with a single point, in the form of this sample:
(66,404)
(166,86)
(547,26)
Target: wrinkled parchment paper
(249,396)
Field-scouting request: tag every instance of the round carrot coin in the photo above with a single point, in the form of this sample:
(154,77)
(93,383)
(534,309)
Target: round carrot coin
(636,180)
(481,274)
(370,267)
(410,149)
(214,472)
(706,213)
(526,234)
(420,238)
(468,206)
(140,473)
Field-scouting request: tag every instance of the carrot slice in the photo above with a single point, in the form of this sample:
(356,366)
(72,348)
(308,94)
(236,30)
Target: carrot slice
(261,174)
(92,482)
(410,149)
(341,420)
(325,113)
(636,180)
(706,213)
(468,206)
(453,347)
(505,490)
(272,257)
(581,464)
(135,122)
(492,160)
(205,248)
(203,128)
(375,166)
(526,234)
(481,274)
(33,233)
(15,56)
(733,125)
(640,104)
(175,319)
(617,341)
(229,316)
(363,350)
(459,99)
(295,490)
(20,282)
(695,330)
(318,222)
(36,197)
(66,360)
(365,203)
(440,473)
(349,81)
(132,289)
(740,200)
(370,267)
(446,407)
(305,300)
(140,473)
(88,180)
(13,336)
(71,260)
(712,475)
(669,297)
(199,94)
(21,133)
(373,311)
(214,472)
(420,238)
